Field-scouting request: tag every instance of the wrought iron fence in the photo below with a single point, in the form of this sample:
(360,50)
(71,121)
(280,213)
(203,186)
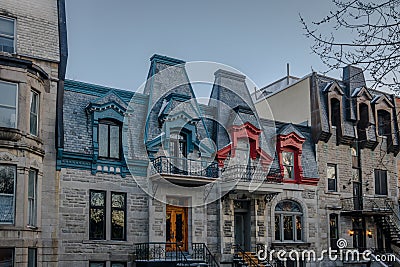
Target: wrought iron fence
(184,166)
(160,251)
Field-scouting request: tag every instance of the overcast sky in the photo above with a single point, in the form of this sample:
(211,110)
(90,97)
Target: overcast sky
(110,42)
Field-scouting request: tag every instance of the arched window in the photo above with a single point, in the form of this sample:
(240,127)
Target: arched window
(109,139)
(288,221)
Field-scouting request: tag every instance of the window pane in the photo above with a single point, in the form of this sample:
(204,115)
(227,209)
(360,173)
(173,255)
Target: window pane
(7,177)
(7,117)
(287,227)
(34,113)
(6,27)
(33,124)
(331,185)
(31,257)
(118,200)
(97,199)
(8,92)
(117,224)
(103,140)
(287,158)
(299,228)
(114,141)
(277,227)
(6,257)
(32,197)
(6,44)
(97,215)
(287,161)
(34,102)
(118,216)
(118,264)
(331,172)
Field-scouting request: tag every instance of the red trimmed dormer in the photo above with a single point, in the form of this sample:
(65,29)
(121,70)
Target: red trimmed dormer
(289,148)
(245,131)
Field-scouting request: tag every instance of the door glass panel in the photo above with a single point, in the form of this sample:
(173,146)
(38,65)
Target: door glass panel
(168,227)
(179,228)
(239,238)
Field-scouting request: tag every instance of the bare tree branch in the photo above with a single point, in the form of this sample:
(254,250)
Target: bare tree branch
(364,33)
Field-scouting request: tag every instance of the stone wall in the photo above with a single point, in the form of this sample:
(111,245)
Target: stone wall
(74,245)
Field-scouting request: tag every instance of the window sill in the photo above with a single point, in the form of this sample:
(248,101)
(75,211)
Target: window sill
(335,193)
(381,196)
(105,242)
(31,227)
(10,134)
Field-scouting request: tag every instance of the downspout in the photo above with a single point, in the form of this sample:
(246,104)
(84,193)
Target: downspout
(63,50)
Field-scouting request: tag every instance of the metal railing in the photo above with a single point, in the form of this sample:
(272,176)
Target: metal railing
(366,203)
(246,257)
(184,166)
(160,251)
(247,173)
(201,252)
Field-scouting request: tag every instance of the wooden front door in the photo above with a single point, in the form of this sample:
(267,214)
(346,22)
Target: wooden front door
(177,227)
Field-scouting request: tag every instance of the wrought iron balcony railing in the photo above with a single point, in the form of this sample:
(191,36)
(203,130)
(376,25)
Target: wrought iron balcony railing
(184,166)
(246,173)
(366,203)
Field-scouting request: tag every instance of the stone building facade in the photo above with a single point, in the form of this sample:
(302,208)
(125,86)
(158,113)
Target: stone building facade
(144,176)
(355,131)
(32,67)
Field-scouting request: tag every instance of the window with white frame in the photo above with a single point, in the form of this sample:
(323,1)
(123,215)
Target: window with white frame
(7,193)
(331,173)
(34,114)
(8,104)
(32,198)
(288,164)
(7,35)
(288,221)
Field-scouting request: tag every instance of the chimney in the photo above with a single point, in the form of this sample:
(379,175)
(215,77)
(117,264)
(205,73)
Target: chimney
(353,77)
(287,74)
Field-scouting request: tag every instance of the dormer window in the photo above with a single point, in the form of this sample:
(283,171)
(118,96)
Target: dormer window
(109,139)
(288,164)
(178,145)
(384,123)
(8,104)
(335,113)
(363,122)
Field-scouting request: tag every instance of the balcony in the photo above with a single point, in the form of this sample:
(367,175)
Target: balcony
(367,205)
(186,168)
(251,178)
